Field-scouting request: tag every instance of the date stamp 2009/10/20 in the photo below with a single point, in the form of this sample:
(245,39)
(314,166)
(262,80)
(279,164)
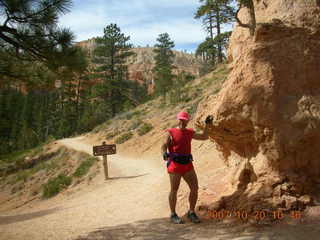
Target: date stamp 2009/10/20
(258,215)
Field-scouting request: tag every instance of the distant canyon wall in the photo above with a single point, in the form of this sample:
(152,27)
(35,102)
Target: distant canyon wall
(141,64)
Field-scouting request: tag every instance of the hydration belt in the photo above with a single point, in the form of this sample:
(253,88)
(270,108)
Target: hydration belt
(181,158)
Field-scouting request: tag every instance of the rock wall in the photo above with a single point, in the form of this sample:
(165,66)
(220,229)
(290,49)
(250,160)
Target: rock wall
(267,115)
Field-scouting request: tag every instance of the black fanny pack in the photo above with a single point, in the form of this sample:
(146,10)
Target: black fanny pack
(182,159)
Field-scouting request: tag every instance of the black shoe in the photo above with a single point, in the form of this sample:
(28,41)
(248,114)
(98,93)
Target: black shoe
(175,219)
(193,217)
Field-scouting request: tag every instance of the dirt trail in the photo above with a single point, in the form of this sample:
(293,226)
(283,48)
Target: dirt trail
(122,199)
(131,205)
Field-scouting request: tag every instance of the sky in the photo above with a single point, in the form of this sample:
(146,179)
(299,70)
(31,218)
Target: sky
(142,20)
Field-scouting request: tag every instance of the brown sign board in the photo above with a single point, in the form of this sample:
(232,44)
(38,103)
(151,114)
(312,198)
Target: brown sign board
(102,150)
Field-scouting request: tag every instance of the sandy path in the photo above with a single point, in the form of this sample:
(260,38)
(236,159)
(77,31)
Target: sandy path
(134,185)
(132,205)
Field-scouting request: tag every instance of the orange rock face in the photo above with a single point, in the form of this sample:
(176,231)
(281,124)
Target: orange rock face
(267,115)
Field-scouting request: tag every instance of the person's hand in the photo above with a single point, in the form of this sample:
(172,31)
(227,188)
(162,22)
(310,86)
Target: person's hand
(165,156)
(209,119)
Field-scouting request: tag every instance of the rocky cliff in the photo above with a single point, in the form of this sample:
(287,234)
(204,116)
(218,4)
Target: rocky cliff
(140,65)
(267,115)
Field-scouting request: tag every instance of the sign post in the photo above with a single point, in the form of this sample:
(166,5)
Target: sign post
(105,166)
(104,150)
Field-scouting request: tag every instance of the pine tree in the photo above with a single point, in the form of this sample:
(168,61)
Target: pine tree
(215,13)
(29,30)
(27,136)
(110,54)
(207,50)
(176,93)
(164,55)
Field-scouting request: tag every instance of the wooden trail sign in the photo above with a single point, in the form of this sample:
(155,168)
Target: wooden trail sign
(104,150)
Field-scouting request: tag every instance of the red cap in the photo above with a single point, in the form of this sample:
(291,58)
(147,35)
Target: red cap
(183,116)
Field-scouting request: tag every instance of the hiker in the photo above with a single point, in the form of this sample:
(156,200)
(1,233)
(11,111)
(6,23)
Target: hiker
(179,163)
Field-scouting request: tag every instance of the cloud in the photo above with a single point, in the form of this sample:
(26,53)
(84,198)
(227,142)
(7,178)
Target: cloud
(142,20)
(179,32)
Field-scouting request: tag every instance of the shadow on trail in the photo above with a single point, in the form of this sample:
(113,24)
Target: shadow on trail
(161,229)
(4,220)
(114,178)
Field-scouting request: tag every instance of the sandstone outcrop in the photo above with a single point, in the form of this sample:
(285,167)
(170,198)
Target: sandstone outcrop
(267,115)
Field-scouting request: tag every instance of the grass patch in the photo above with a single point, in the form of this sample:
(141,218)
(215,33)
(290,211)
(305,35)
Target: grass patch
(135,124)
(13,162)
(51,166)
(169,125)
(15,156)
(191,110)
(17,188)
(84,167)
(124,137)
(145,128)
(56,185)
(18,155)
(134,114)
(112,134)
(215,91)
(129,115)
(162,104)
(102,126)
(23,175)
(38,167)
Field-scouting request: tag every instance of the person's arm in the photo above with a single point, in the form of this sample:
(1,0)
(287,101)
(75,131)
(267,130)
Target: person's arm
(165,146)
(204,135)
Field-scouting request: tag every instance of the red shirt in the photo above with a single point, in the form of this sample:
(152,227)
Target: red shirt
(181,140)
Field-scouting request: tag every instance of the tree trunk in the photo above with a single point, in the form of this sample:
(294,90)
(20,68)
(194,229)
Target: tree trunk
(220,57)
(211,25)
(252,22)
(78,97)
(252,18)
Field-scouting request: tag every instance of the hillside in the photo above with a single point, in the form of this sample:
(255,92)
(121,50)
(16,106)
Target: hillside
(140,65)
(258,173)
(22,173)
(133,202)
(23,195)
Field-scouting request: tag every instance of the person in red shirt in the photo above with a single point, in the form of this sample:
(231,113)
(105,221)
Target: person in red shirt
(179,163)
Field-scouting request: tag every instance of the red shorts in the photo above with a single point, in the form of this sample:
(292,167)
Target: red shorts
(179,168)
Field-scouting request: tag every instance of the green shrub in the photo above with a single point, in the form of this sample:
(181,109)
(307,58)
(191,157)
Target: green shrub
(128,115)
(112,134)
(167,125)
(124,137)
(84,167)
(135,124)
(51,166)
(15,156)
(38,167)
(23,175)
(215,91)
(192,109)
(145,128)
(55,185)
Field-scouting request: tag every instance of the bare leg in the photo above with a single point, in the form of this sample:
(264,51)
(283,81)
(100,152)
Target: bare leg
(192,181)
(174,182)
